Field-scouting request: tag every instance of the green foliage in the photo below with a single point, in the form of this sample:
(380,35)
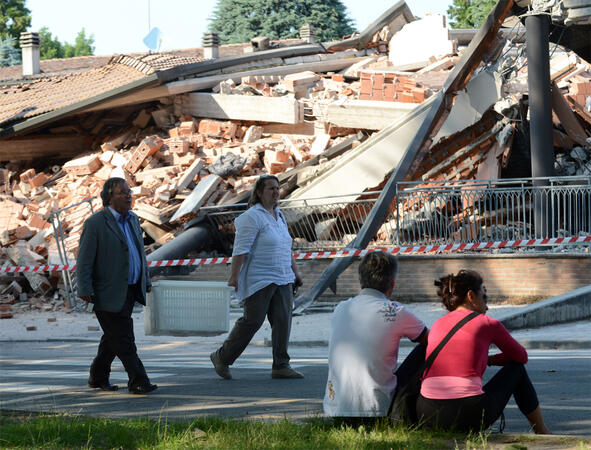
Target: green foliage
(14,18)
(9,54)
(469,13)
(51,47)
(241,20)
(83,46)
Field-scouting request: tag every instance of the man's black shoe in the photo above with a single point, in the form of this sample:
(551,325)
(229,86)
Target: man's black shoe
(142,389)
(106,386)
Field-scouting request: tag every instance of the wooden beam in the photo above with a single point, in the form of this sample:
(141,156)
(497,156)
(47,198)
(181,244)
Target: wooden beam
(242,107)
(42,146)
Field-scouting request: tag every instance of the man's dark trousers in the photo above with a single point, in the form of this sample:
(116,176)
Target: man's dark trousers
(118,341)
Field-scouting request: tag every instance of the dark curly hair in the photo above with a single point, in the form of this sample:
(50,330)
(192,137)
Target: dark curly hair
(259,186)
(377,270)
(453,289)
(108,187)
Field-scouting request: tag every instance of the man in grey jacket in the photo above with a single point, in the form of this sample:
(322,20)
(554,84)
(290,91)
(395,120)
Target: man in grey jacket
(112,273)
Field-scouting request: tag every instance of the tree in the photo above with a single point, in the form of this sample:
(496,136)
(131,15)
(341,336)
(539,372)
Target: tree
(469,13)
(14,18)
(83,46)
(241,20)
(51,47)
(9,54)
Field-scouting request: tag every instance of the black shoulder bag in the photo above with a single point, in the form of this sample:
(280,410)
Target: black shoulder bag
(403,405)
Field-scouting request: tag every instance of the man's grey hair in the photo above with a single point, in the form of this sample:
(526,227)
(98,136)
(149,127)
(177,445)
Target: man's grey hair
(109,187)
(377,270)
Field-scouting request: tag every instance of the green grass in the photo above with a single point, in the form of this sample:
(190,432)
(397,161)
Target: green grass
(59,431)
(69,431)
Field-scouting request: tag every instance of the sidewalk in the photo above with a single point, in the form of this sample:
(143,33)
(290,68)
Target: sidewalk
(312,329)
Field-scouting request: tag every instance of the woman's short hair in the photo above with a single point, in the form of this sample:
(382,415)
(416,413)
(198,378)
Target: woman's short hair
(108,188)
(453,289)
(259,185)
(377,270)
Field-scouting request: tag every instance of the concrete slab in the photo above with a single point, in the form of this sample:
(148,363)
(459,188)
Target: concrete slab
(568,307)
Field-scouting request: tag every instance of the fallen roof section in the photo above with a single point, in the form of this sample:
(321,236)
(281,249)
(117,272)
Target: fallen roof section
(418,147)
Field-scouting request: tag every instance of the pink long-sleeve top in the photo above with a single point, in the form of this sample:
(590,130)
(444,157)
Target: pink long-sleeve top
(457,370)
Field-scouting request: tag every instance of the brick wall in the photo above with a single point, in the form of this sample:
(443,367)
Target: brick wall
(514,278)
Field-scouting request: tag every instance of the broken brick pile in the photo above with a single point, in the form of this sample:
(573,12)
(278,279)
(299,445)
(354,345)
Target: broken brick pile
(391,87)
(184,163)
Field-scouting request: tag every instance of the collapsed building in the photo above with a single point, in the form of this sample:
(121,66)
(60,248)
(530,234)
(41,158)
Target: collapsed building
(382,139)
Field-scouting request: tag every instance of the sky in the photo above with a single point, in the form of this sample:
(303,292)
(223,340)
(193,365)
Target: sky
(119,26)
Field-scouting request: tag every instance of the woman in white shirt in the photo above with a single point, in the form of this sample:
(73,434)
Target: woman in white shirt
(263,274)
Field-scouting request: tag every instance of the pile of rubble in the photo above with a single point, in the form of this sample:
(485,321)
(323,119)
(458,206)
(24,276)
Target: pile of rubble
(177,163)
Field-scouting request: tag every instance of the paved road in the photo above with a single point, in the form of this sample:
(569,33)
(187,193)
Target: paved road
(51,376)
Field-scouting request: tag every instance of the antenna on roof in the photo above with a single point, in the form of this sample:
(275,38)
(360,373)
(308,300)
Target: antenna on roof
(153,39)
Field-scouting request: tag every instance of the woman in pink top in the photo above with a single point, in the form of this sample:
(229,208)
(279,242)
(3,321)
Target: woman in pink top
(452,395)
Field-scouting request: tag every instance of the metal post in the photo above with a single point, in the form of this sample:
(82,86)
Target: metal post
(540,103)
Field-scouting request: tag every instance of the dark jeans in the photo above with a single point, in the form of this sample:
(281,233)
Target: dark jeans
(481,411)
(118,341)
(274,302)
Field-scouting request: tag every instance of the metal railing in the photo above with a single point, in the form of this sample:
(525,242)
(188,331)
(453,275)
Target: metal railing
(437,213)
(491,210)
(328,223)
(65,223)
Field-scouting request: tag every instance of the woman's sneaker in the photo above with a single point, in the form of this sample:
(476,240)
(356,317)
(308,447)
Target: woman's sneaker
(286,372)
(220,368)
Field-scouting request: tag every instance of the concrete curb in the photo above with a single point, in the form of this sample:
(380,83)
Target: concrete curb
(569,307)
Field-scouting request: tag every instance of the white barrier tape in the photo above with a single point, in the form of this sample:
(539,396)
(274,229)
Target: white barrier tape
(335,254)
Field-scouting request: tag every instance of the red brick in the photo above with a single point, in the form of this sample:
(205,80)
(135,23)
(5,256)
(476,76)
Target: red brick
(338,77)
(389,92)
(210,127)
(147,147)
(36,221)
(378,80)
(187,128)
(84,165)
(177,145)
(365,86)
(27,175)
(38,180)
(24,232)
(364,97)
(377,94)
(389,77)
(405,97)
(418,94)
(229,130)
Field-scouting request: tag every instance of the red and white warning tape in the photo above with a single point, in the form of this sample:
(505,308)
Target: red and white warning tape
(336,254)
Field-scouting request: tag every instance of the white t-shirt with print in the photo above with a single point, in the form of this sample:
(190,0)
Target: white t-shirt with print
(363,354)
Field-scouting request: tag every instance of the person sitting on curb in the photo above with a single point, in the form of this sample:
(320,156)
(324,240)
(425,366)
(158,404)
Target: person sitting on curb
(452,395)
(363,349)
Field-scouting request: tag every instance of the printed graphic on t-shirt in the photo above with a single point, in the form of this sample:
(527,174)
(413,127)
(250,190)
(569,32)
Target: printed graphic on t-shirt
(389,311)
(331,392)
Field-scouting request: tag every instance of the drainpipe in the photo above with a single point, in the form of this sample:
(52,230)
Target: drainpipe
(540,104)
(31,55)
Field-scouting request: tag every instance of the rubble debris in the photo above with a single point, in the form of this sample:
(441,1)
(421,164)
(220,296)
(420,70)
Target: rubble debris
(190,150)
